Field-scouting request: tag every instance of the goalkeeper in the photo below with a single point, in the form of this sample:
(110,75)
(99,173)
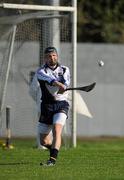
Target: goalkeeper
(53,79)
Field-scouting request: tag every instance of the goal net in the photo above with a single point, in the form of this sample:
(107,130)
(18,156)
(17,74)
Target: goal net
(23,39)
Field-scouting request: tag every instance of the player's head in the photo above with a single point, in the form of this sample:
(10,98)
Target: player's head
(51,56)
(50,49)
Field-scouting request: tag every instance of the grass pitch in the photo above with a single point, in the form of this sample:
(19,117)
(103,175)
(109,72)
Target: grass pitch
(100,159)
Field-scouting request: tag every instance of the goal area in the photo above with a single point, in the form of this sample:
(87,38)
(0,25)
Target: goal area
(23,39)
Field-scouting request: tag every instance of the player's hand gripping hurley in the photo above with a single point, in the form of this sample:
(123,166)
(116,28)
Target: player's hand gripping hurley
(84,88)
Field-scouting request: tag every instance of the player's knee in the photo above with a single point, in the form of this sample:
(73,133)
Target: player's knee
(45,142)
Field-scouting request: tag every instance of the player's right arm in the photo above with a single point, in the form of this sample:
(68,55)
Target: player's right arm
(43,76)
(51,80)
(61,86)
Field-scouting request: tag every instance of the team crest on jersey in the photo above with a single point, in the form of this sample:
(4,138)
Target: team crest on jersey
(60,74)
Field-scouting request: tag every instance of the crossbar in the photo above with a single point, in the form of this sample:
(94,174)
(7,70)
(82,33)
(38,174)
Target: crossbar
(37,7)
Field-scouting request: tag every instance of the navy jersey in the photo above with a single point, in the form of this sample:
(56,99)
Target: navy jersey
(46,76)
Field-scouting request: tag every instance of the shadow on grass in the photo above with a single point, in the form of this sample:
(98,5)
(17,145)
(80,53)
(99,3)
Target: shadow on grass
(15,163)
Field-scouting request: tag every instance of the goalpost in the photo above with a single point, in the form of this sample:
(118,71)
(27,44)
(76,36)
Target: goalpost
(23,38)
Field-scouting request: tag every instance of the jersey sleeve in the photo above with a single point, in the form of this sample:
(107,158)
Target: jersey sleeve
(42,75)
(66,77)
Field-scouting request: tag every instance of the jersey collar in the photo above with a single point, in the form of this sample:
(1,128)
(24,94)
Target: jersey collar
(46,66)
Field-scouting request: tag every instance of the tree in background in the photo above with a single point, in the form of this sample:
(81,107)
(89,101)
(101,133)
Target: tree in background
(101,21)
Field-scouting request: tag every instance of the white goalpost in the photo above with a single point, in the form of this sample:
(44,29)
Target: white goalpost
(23,38)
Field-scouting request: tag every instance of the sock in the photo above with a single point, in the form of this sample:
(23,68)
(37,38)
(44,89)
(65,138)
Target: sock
(53,155)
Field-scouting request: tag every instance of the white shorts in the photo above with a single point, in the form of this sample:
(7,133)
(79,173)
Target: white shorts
(58,118)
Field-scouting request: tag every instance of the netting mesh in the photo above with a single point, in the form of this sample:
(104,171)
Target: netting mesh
(32,37)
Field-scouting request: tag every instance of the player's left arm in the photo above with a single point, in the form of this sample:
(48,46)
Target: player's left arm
(60,85)
(66,81)
(66,76)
